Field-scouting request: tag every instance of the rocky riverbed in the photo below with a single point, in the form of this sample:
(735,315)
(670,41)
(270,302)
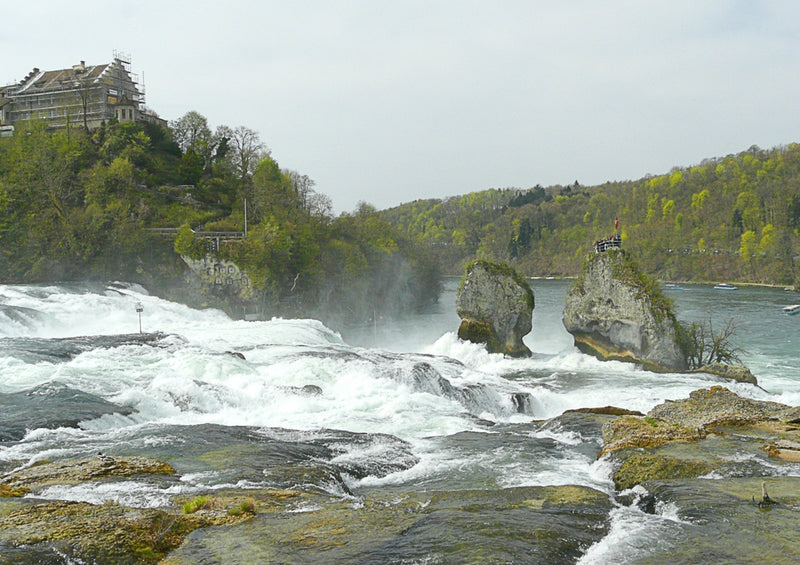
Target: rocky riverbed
(727,464)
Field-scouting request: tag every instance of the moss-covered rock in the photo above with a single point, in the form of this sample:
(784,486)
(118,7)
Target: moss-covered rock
(643,467)
(616,312)
(644,432)
(738,373)
(693,436)
(7,490)
(107,533)
(495,305)
(73,471)
(516,525)
(716,406)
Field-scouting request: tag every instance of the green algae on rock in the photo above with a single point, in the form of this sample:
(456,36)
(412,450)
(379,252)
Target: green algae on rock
(716,406)
(616,312)
(7,491)
(73,471)
(495,305)
(553,524)
(107,533)
(643,467)
(643,432)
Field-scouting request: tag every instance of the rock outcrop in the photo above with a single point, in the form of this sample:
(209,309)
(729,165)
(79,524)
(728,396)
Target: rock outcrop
(708,415)
(495,305)
(613,311)
(738,373)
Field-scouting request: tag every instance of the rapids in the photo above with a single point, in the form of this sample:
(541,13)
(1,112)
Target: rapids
(389,407)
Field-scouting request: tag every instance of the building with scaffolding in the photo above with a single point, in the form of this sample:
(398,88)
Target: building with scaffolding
(81,96)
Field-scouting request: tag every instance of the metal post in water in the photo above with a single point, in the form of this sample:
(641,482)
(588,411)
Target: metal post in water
(139,310)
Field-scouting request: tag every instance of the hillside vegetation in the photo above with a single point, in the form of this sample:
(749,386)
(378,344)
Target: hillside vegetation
(730,218)
(79,205)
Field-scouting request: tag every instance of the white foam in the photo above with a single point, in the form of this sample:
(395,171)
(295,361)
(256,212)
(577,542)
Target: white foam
(127,493)
(633,535)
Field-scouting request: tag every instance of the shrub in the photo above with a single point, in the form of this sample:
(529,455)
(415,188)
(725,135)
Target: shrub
(702,345)
(194,505)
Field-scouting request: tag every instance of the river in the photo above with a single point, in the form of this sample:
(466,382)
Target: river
(396,407)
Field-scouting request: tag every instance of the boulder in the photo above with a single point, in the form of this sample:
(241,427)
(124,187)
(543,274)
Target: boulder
(614,311)
(495,305)
(716,406)
(737,373)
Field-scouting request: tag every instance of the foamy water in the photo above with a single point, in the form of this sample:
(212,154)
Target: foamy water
(451,402)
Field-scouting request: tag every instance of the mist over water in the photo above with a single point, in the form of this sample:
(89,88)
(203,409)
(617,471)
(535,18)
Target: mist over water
(393,405)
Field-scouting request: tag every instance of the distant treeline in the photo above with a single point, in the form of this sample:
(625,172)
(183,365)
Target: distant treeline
(78,205)
(729,218)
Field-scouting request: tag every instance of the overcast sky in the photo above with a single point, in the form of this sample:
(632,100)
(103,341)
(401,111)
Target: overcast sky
(389,102)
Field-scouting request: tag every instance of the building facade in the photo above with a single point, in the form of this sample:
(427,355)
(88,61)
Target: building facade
(81,96)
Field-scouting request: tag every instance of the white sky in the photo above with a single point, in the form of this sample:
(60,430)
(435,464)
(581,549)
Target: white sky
(389,102)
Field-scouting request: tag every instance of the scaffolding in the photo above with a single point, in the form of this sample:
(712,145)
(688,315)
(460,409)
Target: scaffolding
(82,95)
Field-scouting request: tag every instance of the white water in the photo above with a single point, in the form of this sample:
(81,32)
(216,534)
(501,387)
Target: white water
(367,384)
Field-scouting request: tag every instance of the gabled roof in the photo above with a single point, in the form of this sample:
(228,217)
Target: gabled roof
(65,78)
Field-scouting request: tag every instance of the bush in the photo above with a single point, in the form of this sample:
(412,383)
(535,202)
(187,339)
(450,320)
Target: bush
(187,244)
(194,505)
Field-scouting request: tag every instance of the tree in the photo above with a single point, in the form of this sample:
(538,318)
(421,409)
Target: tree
(702,345)
(186,243)
(245,149)
(191,132)
(191,167)
(749,246)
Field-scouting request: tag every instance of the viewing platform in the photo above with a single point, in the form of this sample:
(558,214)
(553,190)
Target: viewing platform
(213,238)
(611,242)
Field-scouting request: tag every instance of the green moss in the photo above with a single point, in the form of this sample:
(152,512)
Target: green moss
(194,505)
(9,491)
(647,432)
(652,421)
(480,332)
(625,270)
(107,533)
(500,269)
(647,467)
(247,506)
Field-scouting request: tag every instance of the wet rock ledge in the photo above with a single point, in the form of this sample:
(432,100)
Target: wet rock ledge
(553,524)
(722,461)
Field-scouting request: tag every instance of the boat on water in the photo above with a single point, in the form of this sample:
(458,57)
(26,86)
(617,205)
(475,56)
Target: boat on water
(725,286)
(792,309)
(673,286)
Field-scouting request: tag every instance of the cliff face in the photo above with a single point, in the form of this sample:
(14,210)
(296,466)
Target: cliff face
(612,313)
(495,305)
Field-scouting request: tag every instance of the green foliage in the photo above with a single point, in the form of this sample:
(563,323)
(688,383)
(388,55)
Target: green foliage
(247,506)
(547,231)
(194,505)
(624,269)
(186,243)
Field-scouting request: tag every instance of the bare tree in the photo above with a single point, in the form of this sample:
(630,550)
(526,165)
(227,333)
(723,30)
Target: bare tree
(245,148)
(702,345)
(303,186)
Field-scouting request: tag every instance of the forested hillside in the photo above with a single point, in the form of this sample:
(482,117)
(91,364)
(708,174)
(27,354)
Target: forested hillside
(77,205)
(729,218)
